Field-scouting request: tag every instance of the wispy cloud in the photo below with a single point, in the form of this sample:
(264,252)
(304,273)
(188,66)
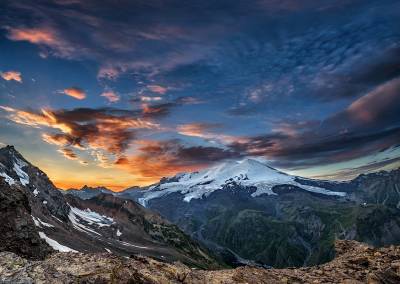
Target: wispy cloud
(44,37)
(158,89)
(111,96)
(150,99)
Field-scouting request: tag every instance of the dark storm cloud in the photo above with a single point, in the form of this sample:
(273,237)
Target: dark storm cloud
(368,125)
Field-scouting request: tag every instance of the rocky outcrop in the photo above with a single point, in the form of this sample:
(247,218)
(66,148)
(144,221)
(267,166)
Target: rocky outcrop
(355,263)
(17,231)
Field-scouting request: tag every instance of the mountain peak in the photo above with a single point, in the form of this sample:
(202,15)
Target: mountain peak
(12,165)
(232,174)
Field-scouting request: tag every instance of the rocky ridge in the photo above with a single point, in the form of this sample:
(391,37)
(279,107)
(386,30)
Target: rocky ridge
(354,263)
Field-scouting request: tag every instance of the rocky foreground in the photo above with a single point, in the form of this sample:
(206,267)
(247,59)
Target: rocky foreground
(354,263)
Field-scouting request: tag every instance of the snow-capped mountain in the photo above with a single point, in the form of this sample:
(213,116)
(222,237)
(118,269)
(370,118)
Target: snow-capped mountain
(249,212)
(104,223)
(245,173)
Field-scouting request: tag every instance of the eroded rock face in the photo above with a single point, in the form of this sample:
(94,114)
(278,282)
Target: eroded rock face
(355,263)
(17,231)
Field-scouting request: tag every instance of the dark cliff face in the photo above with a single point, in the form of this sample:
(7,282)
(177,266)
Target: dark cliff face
(18,232)
(43,196)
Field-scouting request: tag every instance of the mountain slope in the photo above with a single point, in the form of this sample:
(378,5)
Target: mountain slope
(247,211)
(103,223)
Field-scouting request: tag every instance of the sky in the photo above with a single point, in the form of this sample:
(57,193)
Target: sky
(122,93)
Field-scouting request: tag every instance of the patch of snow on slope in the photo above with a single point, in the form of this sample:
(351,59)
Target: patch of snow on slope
(7,178)
(54,244)
(39,223)
(92,217)
(23,176)
(35,192)
(132,245)
(245,173)
(80,227)
(119,233)
(82,218)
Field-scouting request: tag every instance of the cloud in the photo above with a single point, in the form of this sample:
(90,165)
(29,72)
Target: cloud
(11,75)
(382,101)
(156,159)
(374,166)
(207,131)
(107,130)
(196,129)
(368,125)
(157,89)
(44,37)
(150,99)
(111,96)
(75,92)
(71,155)
(68,153)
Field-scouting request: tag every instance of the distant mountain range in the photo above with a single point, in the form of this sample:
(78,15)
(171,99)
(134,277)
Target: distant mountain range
(244,212)
(87,192)
(35,219)
(249,212)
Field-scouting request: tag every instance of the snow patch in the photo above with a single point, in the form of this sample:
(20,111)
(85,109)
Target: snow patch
(132,245)
(107,250)
(7,178)
(80,219)
(119,233)
(55,245)
(39,223)
(35,192)
(23,176)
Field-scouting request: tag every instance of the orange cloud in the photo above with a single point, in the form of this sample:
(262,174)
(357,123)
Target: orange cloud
(75,92)
(197,129)
(156,159)
(45,118)
(157,89)
(11,75)
(42,36)
(100,131)
(33,35)
(111,96)
(68,153)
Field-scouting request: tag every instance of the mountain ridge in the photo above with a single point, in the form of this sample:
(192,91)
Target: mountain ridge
(67,223)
